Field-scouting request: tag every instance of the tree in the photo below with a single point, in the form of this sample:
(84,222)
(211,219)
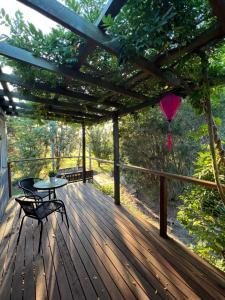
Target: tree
(144,143)
(101,141)
(203,214)
(30,138)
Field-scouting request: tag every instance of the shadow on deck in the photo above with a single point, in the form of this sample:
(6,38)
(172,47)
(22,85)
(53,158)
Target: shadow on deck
(106,254)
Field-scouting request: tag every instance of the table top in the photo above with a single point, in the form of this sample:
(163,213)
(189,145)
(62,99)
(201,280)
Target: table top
(47,185)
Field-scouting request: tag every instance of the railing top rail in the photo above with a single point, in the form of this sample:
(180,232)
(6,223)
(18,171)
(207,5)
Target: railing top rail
(193,180)
(37,159)
(205,183)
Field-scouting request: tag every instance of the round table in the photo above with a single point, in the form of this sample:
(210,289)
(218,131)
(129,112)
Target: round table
(47,185)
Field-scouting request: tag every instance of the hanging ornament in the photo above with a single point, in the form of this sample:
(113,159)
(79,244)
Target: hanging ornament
(169,105)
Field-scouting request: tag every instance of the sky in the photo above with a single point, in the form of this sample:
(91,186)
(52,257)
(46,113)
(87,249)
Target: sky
(30,15)
(40,21)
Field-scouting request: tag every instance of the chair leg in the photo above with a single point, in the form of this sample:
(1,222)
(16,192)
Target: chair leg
(20,211)
(21,225)
(40,239)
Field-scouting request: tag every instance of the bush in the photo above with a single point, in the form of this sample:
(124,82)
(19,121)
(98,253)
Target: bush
(203,214)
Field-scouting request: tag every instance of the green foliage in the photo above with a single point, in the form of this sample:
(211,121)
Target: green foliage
(203,214)
(101,141)
(106,189)
(144,143)
(150,27)
(32,139)
(52,173)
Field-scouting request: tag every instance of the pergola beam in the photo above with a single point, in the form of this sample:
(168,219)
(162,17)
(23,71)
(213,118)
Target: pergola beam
(76,114)
(208,36)
(72,21)
(27,57)
(211,35)
(55,109)
(26,114)
(112,8)
(13,79)
(53,102)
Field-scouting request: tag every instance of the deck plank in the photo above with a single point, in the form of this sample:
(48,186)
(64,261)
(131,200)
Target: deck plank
(71,274)
(193,277)
(29,276)
(107,253)
(133,259)
(102,271)
(41,292)
(7,270)
(78,255)
(100,246)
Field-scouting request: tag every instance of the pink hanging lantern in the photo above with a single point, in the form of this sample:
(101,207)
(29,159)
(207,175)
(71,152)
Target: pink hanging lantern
(169,105)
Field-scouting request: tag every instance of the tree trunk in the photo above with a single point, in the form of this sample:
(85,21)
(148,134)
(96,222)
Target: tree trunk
(208,115)
(211,129)
(218,144)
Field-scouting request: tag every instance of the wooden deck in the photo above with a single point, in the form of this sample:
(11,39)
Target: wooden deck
(106,254)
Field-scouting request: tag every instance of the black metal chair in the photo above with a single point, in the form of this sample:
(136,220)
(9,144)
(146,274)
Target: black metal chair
(39,210)
(27,185)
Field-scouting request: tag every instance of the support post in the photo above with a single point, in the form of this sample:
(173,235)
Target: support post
(163,207)
(116,159)
(84,153)
(9,179)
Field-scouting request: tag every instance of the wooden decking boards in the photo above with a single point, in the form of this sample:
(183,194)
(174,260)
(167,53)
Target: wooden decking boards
(108,253)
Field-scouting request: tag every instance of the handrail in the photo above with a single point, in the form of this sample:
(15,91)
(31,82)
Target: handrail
(205,183)
(37,159)
(193,180)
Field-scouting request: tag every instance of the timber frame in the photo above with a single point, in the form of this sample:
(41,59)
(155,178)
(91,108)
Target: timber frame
(113,100)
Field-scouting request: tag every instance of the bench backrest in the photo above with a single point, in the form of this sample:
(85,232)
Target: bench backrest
(78,176)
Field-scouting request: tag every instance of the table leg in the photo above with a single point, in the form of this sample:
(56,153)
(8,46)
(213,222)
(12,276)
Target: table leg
(54,194)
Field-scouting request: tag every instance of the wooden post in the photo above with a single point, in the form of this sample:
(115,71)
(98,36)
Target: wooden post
(116,159)
(163,207)
(9,179)
(84,153)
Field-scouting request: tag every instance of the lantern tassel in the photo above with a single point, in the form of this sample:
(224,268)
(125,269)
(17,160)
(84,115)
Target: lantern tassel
(169,140)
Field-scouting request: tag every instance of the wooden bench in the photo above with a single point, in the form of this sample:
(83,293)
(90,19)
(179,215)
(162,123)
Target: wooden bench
(76,176)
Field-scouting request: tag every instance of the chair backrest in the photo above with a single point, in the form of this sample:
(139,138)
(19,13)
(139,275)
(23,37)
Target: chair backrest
(27,184)
(28,206)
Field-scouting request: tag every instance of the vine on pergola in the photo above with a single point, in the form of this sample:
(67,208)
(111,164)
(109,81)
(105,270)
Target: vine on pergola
(152,29)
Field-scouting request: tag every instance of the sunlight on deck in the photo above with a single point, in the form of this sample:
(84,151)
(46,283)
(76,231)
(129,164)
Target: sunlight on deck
(106,254)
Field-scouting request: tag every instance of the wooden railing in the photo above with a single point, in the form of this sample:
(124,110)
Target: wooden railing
(163,177)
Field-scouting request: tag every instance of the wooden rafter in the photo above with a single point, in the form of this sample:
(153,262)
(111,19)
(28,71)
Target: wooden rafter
(53,109)
(112,7)
(72,21)
(49,109)
(52,116)
(48,101)
(210,36)
(27,57)
(13,79)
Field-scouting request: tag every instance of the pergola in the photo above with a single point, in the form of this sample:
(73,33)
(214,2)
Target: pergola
(115,99)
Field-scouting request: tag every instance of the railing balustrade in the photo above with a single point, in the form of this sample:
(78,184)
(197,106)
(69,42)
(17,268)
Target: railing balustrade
(163,178)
